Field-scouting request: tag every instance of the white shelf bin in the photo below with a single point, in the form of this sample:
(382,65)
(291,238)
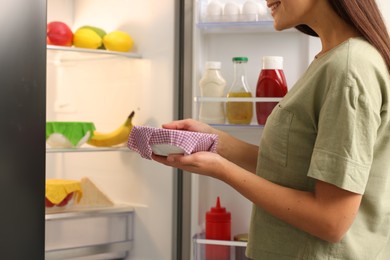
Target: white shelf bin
(99,233)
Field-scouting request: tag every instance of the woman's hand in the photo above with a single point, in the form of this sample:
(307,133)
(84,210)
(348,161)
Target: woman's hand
(203,163)
(229,147)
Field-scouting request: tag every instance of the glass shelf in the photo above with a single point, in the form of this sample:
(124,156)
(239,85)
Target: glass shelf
(87,149)
(73,53)
(83,212)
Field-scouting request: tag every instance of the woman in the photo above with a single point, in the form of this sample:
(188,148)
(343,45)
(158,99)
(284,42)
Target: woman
(322,183)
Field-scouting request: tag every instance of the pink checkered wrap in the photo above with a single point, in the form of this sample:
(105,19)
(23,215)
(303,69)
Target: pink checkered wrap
(143,137)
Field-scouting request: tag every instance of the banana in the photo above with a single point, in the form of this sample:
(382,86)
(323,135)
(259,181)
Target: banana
(116,137)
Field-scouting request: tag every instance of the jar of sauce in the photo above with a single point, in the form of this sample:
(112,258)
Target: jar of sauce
(271,83)
(212,84)
(218,227)
(239,112)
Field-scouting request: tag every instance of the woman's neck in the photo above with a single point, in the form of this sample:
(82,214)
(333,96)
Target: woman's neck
(332,29)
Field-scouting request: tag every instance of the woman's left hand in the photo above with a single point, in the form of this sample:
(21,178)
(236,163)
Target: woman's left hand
(203,163)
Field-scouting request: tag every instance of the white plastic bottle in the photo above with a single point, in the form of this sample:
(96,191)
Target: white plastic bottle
(212,84)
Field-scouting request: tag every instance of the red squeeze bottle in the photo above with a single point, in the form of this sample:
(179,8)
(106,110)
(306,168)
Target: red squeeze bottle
(218,227)
(271,83)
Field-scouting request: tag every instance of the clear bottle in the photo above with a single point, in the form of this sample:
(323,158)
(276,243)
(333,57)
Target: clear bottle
(239,112)
(271,83)
(212,84)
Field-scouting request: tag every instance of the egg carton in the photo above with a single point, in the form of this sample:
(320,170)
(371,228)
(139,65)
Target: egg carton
(234,11)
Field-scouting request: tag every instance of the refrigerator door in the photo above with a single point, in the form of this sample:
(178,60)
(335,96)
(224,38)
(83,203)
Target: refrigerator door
(22,153)
(221,39)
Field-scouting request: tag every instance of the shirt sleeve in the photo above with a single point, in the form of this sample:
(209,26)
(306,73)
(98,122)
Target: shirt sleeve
(347,127)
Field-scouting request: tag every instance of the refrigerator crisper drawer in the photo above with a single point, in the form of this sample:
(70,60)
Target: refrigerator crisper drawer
(104,233)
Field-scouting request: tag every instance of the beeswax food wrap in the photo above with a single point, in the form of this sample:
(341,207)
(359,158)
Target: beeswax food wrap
(57,189)
(145,139)
(73,131)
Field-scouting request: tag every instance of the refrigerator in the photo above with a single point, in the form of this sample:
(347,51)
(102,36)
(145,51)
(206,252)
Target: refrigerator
(161,209)
(159,212)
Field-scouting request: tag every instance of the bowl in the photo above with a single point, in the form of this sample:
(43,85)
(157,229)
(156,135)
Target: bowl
(147,140)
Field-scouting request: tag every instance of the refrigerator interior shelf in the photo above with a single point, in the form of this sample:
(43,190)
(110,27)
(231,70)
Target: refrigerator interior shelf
(64,53)
(87,149)
(236,99)
(85,212)
(90,233)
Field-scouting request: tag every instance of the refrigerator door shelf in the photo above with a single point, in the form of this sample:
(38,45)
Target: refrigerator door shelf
(232,127)
(99,233)
(245,99)
(258,26)
(200,243)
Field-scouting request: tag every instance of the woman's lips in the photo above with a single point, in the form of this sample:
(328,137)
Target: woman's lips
(273,5)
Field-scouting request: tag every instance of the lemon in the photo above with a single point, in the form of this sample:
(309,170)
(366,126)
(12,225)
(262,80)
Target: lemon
(118,41)
(87,38)
(97,30)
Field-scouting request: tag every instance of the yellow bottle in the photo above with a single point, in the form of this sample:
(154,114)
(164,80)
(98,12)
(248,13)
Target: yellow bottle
(239,112)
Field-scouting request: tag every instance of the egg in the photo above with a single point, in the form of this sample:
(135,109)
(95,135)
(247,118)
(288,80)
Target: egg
(214,11)
(263,10)
(250,11)
(250,7)
(231,11)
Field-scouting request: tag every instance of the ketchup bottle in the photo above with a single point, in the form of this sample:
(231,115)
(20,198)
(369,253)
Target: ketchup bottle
(271,83)
(218,226)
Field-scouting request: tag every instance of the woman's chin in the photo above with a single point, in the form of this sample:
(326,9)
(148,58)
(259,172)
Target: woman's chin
(281,27)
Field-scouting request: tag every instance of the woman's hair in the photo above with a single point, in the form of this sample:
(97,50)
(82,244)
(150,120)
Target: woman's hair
(366,18)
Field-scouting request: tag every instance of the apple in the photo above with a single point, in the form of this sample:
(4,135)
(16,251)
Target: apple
(63,203)
(58,33)
(66,200)
(48,203)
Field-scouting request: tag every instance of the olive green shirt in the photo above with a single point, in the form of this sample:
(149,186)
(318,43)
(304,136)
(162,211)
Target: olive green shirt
(332,126)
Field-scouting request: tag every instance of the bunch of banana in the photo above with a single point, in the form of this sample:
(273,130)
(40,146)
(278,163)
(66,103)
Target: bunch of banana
(116,137)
